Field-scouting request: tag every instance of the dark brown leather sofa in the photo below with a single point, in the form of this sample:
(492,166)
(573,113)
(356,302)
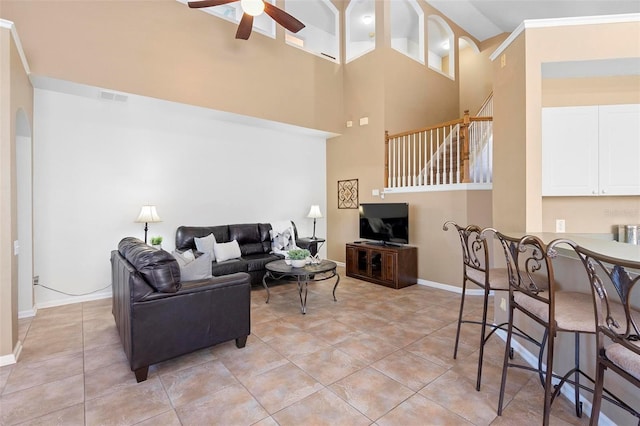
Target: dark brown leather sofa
(254,240)
(159,317)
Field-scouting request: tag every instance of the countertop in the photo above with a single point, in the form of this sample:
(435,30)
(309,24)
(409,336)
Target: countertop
(599,243)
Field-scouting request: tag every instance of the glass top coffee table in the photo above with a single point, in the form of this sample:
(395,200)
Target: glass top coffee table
(324,270)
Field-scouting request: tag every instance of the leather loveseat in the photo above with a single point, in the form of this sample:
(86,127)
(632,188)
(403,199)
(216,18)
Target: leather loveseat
(254,240)
(160,317)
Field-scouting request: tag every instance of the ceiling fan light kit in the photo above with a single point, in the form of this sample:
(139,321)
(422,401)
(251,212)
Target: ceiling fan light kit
(251,8)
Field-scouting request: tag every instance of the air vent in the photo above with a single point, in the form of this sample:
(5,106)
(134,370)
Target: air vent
(111,96)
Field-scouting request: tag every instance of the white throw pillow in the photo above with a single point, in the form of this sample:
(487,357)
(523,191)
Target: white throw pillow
(206,244)
(196,269)
(188,255)
(226,251)
(184,257)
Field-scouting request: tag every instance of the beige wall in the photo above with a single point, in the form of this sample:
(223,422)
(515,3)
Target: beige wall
(165,50)
(509,136)
(17,94)
(476,74)
(613,90)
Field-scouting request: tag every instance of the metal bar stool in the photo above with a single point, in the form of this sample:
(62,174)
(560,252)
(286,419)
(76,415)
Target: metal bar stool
(476,270)
(617,333)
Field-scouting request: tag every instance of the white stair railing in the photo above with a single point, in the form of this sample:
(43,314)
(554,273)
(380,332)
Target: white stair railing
(455,152)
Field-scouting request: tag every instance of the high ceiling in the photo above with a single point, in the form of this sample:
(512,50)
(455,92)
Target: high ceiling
(486,18)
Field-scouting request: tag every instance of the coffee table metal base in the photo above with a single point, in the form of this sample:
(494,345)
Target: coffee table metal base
(323,271)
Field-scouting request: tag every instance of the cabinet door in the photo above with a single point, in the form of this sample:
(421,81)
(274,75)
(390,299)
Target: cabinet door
(570,150)
(389,267)
(376,264)
(362,262)
(352,260)
(619,149)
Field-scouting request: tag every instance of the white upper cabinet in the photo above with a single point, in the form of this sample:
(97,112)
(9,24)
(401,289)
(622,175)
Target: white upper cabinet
(619,149)
(591,150)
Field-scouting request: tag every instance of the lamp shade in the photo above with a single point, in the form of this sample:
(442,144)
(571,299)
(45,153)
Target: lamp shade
(314,212)
(148,214)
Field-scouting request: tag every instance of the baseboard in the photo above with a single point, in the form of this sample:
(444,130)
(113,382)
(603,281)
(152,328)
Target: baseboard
(28,313)
(75,299)
(567,390)
(11,358)
(452,288)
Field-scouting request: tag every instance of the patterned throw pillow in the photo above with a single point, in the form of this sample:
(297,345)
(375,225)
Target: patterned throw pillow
(282,241)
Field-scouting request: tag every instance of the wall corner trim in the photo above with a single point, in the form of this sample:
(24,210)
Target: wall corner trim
(10,25)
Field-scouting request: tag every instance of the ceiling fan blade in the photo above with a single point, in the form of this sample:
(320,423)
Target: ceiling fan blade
(283,18)
(208,3)
(244,29)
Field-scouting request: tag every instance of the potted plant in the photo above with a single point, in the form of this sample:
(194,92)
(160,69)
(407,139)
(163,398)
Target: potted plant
(298,257)
(156,242)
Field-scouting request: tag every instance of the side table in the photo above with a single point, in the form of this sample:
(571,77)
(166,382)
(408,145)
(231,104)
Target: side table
(311,244)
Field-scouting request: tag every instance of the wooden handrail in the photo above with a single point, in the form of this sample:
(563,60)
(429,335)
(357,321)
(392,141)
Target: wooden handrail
(426,129)
(486,101)
(438,126)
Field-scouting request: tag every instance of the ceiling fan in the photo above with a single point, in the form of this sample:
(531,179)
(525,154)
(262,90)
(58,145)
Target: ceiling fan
(253,8)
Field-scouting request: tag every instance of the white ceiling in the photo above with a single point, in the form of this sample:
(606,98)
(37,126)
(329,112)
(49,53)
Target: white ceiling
(484,19)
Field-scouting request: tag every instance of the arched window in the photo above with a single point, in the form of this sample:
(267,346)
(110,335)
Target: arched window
(407,29)
(321,34)
(360,36)
(441,46)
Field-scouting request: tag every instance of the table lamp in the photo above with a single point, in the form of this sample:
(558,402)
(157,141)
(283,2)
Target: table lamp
(314,213)
(148,214)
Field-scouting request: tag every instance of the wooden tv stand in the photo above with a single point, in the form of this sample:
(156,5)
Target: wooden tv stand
(388,265)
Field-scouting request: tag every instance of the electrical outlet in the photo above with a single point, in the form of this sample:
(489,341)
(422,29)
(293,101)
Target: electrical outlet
(36,280)
(560,225)
(503,304)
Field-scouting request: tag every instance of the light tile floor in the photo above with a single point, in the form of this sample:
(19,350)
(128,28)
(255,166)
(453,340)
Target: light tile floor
(376,356)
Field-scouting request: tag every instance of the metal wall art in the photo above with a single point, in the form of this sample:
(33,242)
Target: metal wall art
(348,194)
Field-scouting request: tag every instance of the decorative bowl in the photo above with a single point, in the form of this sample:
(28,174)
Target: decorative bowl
(298,263)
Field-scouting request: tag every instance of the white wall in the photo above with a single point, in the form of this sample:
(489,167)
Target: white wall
(96,162)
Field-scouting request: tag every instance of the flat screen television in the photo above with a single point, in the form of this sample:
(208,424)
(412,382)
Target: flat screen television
(387,223)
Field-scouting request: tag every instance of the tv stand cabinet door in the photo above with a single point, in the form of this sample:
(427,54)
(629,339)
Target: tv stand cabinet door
(389,267)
